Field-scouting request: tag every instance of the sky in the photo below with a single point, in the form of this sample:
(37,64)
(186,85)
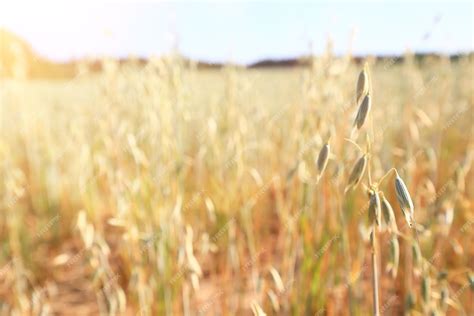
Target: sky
(241,32)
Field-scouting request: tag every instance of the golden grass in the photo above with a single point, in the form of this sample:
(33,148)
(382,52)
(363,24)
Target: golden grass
(167,190)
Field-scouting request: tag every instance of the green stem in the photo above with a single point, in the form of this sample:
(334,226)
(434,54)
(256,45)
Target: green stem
(347,261)
(375,277)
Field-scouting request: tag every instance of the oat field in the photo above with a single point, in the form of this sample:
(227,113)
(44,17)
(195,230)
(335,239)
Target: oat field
(167,189)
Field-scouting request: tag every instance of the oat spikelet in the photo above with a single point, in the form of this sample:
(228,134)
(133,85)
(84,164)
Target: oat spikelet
(388,215)
(277,279)
(375,208)
(257,310)
(362,114)
(417,259)
(356,173)
(392,266)
(423,117)
(363,83)
(470,279)
(274,300)
(363,111)
(410,301)
(323,158)
(426,289)
(404,199)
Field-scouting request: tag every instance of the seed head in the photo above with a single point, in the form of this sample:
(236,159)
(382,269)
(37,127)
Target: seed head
(323,158)
(392,266)
(388,215)
(417,259)
(257,310)
(375,212)
(426,289)
(357,172)
(277,279)
(470,279)
(410,301)
(404,199)
(364,109)
(362,84)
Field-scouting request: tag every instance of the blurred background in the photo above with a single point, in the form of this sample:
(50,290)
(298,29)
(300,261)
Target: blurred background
(237,32)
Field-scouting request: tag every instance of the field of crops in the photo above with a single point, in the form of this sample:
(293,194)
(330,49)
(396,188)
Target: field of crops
(172,190)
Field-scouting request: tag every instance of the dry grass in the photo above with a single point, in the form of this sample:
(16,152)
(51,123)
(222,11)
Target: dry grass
(168,190)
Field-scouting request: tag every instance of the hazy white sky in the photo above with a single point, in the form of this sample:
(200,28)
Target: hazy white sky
(238,31)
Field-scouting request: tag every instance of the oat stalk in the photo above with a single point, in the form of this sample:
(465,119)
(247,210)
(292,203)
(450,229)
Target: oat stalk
(375,279)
